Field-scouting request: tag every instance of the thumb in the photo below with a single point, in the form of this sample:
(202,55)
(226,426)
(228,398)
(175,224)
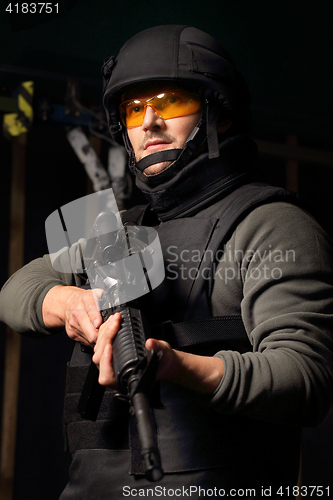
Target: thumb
(153,344)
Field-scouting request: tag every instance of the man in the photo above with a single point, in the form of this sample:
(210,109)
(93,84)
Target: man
(239,257)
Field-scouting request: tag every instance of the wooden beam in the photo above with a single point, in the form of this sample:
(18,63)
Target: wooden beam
(13,340)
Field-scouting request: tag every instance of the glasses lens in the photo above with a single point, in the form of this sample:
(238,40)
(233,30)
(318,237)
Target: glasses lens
(170,104)
(132,112)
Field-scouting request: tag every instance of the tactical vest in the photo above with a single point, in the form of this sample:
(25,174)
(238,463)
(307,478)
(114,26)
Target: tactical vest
(191,434)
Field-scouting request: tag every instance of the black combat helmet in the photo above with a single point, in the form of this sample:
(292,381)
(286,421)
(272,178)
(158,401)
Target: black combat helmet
(189,56)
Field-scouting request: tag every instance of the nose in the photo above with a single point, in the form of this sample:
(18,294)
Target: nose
(152,120)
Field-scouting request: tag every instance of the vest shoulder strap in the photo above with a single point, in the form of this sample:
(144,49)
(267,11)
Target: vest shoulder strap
(240,202)
(229,212)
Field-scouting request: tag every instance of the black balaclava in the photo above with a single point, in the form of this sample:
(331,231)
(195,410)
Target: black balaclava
(207,166)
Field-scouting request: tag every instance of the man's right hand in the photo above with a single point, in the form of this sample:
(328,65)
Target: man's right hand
(74,309)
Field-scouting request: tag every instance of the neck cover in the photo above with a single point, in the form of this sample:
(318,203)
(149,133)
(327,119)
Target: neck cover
(200,182)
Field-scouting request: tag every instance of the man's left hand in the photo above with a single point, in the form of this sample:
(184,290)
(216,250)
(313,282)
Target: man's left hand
(199,373)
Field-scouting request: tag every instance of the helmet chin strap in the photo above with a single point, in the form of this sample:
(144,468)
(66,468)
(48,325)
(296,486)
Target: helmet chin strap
(160,156)
(212,136)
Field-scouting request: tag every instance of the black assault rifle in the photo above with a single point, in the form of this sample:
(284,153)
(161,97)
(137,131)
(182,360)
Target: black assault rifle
(134,367)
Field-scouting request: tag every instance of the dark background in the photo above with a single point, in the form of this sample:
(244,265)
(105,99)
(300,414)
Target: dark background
(283,49)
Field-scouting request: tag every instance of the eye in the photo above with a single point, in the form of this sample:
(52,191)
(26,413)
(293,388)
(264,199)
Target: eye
(134,109)
(170,100)
(173,99)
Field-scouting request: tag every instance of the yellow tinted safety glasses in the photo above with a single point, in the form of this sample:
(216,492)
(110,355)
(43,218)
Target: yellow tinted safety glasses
(168,104)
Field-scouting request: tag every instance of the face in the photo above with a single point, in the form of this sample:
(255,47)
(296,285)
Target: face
(156,134)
